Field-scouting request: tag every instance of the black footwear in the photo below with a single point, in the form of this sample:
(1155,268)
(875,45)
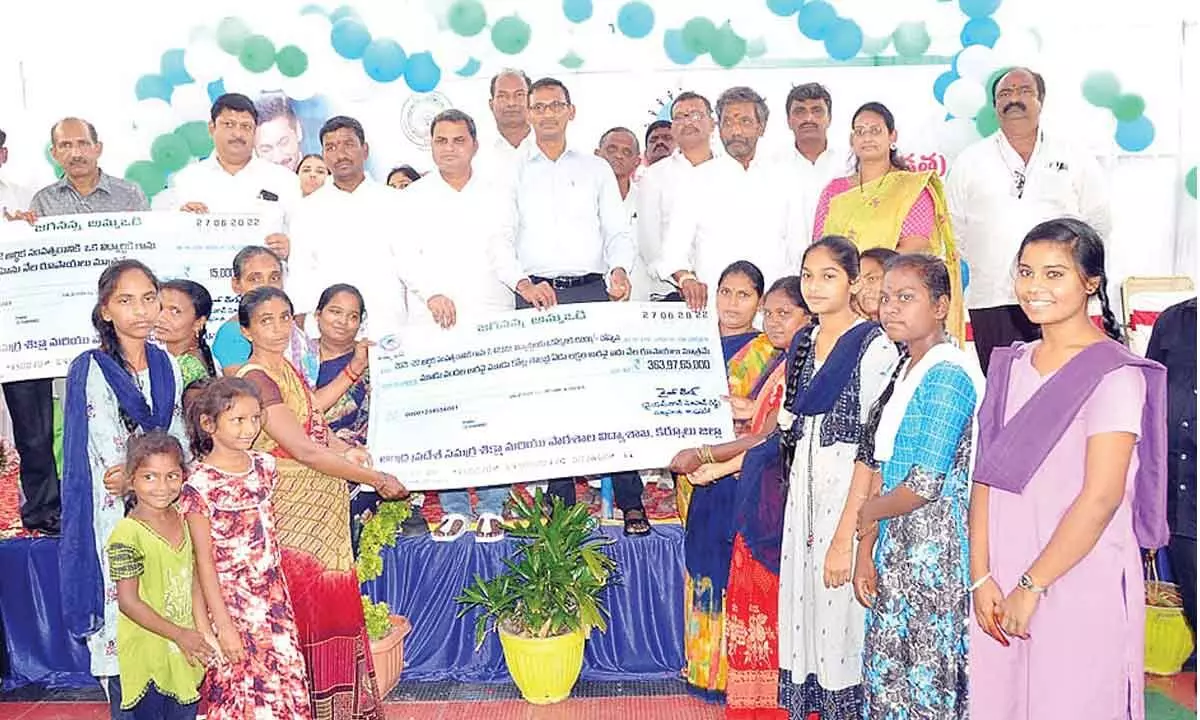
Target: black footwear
(414,525)
(636,522)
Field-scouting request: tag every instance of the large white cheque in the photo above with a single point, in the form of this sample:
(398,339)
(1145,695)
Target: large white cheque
(527,395)
(48,275)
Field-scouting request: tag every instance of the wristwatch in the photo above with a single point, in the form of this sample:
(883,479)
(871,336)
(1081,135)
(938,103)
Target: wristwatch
(684,277)
(1026,583)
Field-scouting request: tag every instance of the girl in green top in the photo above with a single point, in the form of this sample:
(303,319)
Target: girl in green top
(161,653)
(182,328)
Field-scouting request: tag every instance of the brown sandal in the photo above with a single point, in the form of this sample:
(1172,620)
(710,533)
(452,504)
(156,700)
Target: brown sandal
(636,522)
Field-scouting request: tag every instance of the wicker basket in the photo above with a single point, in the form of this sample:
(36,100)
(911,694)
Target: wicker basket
(1169,640)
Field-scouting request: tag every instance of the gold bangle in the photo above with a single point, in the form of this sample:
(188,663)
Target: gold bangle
(707,454)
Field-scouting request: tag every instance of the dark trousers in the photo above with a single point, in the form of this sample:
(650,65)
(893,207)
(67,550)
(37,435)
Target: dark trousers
(31,405)
(153,705)
(627,486)
(1182,553)
(1000,327)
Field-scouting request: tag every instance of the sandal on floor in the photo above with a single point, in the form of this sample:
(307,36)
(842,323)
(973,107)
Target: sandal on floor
(451,528)
(489,529)
(636,522)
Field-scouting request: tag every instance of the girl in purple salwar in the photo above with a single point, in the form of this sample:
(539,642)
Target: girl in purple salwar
(1068,484)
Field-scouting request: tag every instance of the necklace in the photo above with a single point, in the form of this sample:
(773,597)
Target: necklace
(873,199)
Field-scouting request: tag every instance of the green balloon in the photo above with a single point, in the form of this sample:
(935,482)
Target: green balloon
(467,17)
(756,48)
(170,152)
(911,39)
(231,34)
(986,121)
(147,175)
(1189,182)
(291,60)
(58,171)
(699,35)
(728,48)
(876,46)
(1101,88)
(1129,107)
(510,34)
(993,79)
(195,135)
(571,61)
(258,54)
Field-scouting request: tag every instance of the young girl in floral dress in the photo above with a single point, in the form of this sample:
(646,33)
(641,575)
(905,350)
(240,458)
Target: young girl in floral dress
(227,501)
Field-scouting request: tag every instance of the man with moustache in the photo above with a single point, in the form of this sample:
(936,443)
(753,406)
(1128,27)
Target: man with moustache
(619,148)
(691,132)
(1000,188)
(660,142)
(509,103)
(737,207)
(809,109)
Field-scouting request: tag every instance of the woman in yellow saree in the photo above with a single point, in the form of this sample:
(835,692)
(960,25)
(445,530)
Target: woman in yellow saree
(884,204)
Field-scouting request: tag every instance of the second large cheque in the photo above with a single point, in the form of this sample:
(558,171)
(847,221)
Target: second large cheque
(576,390)
(48,275)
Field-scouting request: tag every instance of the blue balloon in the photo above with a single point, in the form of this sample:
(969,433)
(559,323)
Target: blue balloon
(815,18)
(152,86)
(422,74)
(978,8)
(980,31)
(1135,135)
(172,69)
(843,39)
(943,81)
(784,8)
(349,38)
(965,270)
(216,89)
(577,10)
(384,60)
(470,68)
(676,48)
(635,19)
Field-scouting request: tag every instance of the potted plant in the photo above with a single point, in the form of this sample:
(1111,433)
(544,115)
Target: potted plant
(385,630)
(547,600)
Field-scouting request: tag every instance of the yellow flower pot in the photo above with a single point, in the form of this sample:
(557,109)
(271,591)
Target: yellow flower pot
(544,669)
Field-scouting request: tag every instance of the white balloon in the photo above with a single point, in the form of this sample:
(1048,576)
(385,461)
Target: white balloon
(955,135)
(876,19)
(190,102)
(300,88)
(204,61)
(1017,46)
(153,117)
(751,20)
(964,98)
(451,52)
(976,63)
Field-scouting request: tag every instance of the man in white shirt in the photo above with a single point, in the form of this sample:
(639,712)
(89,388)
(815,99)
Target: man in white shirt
(660,141)
(345,232)
(233,180)
(691,127)
(279,137)
(14,198)
(509,103)
(619,147)
(1004,185)
(813,164)
(449,268)
(570,240)
(735,207)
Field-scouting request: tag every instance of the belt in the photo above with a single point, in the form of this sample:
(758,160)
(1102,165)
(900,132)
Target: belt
(567,281)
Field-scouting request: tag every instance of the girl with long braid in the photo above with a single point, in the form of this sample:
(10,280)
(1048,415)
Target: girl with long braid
(1069,483)
(182,328)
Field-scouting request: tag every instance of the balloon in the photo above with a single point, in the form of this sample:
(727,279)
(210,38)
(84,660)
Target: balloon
(204,61)
(301,87)
(980,31)
(911,39)
(1101,88)
(1128,107)
(577,11)
(510,34)
(943,81)
(963,98)
(343,12)
(699,34)
(170,152)
(1135,135)
(784,8)
(147,175)
(470,68)
(955,135)
(291,61)
(58,171)
(978,8)
(571,61)
(467,17)
(421,73)
(986,121)
(258,54)
(965,271)
(814,19)
(635,20)
(172,69)
(1189,182)
(1017,47)
(728,47)
(349,38)
(191,101)
(993,80)
(231,33)
(676,48)
(975,63)
(152,86)
(312,10)
(384,60)
(843,39)
(756,48)
(876,46)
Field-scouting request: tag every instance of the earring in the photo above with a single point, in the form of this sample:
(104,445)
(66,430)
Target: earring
(893,146)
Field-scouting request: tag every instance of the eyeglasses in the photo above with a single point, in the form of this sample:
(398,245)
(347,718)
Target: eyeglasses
(556,108)
(868,130)
(694,116)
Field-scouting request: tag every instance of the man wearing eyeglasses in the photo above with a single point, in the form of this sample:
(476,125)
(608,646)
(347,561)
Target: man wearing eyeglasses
(691,126)
(1000,188)
(738,206)
(234,180)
